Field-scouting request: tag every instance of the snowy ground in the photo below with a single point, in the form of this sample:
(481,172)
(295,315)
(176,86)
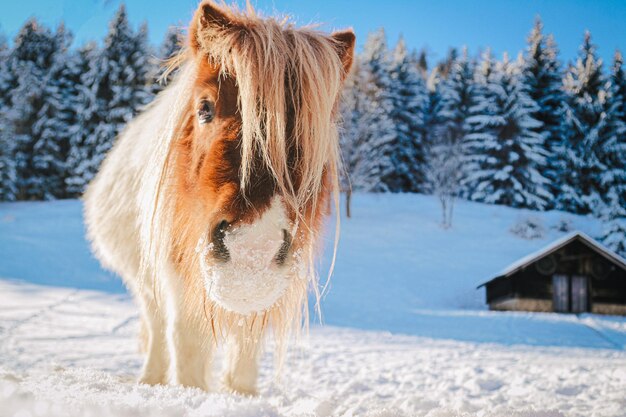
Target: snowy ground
(65,351)
(415,337)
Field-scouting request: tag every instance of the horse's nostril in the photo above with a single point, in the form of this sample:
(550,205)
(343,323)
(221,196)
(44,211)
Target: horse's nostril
(220,251)
(281,256)
(223,225)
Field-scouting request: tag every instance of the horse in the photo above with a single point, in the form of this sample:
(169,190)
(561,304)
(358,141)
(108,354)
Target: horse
(211,203)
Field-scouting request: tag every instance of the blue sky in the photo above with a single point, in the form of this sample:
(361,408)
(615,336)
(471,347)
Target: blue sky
(434,24)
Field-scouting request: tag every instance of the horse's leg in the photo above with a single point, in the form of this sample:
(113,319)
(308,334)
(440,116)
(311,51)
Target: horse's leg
(191,352)
(190,340)
(242,362)
(155,346)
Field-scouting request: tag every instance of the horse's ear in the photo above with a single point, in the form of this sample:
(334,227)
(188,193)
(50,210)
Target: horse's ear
(344,42)
(208,19)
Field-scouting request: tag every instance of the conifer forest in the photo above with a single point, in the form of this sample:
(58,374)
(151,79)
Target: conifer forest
(533,130)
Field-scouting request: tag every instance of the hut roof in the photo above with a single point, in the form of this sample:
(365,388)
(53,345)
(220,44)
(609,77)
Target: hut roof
(556,245)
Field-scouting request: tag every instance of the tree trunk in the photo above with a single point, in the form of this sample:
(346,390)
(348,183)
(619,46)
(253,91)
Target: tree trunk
(444,211)
(451,210)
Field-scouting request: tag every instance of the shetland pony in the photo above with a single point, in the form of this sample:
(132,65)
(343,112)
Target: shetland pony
(210,204)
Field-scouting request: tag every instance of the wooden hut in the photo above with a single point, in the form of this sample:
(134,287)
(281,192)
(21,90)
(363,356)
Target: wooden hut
(574,274)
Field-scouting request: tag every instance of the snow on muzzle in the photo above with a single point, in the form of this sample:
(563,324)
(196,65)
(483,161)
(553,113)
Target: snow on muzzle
(246,269)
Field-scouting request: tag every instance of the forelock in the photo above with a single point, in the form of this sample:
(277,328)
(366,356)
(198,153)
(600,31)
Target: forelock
(274,62)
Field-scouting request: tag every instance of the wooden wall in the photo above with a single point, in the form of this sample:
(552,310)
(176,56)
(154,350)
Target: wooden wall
(606,280)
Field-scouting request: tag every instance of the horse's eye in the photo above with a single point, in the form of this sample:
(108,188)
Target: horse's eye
(206,112)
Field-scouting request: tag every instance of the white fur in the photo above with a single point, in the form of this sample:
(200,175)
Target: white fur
(120,216)
(251,281)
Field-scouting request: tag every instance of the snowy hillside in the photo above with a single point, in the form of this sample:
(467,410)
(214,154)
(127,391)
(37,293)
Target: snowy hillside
(414,339)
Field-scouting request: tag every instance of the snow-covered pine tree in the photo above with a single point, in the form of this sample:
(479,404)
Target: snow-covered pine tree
(422,64)
(38,157)
(433,81)
(614,234)
(613,146)
(432,89)
(542,74)
(350,133)
(126,75)
(444,67)
(583,124)
(172,43)
(116,82)
(366,133)
(4,48)
(409,103)
(51,149)
(83,158)
(480,141)
(503,152)
(456,98)
(8,180)
(381,140)
(7,78)
(443,157)
(614,157)
(451,103)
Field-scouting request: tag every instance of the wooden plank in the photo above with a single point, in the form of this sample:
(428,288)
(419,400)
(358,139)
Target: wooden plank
(580,294)
(560,293)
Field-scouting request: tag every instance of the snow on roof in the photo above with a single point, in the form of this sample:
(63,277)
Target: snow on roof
(556,245)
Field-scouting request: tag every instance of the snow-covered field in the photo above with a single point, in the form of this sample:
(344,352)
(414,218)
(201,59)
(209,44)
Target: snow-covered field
(406,334)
